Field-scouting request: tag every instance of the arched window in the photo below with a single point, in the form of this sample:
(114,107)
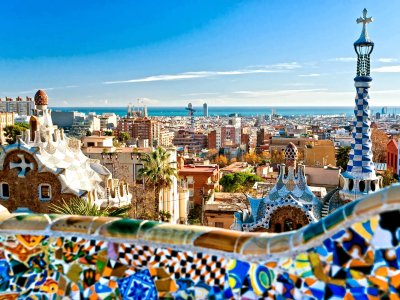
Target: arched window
(351,184)
(44,192)
(288,225)
(373,186)
(4,190)
(361,185)
(278,228)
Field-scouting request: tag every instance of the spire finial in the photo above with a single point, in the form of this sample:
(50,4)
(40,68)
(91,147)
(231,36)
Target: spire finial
(365,20)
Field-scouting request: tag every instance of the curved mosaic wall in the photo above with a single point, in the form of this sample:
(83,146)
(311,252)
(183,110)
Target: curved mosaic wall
(351,254)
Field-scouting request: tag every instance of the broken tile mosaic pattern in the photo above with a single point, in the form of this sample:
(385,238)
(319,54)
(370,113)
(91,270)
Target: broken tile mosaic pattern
(352,254)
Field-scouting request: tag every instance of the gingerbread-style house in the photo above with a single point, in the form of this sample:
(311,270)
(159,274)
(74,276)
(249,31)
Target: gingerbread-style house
(290,204)
(44,166)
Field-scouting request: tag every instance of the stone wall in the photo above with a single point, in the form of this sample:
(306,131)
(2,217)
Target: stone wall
(351,254)
(24,191)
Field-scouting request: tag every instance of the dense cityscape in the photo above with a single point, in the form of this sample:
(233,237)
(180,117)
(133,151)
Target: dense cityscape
(101,205)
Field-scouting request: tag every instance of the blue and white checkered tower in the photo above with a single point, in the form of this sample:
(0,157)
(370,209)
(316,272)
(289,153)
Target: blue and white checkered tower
(360,177)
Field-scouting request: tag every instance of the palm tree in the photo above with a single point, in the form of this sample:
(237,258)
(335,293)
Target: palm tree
(158,171)
(342,157)
(84,207)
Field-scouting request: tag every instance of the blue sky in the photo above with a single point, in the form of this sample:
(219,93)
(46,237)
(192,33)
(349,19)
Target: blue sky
(225,53)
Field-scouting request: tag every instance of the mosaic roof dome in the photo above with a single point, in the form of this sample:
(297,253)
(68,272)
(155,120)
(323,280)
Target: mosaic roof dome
(41,98)
(291,152)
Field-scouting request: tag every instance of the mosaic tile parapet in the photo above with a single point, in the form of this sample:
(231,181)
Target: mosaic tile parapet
(256,245)
(52,257)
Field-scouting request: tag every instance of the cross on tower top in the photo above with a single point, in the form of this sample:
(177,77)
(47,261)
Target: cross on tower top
(364,19)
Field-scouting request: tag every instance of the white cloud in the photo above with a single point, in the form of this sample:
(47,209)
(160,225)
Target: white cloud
(388,60)
(189,75)
(276,92)
(310,75)
(49,89)
(343,59)
(286,66)
(385,92)
(198,94)
(149,101)
(205,74)
(387,69)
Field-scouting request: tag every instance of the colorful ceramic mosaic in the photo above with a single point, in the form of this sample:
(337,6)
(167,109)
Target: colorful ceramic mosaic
(354,253)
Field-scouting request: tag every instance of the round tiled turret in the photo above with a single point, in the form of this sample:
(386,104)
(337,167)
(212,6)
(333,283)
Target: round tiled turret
(41,98)
(291,152)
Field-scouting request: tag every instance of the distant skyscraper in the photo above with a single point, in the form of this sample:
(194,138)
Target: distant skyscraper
(205,109)
(191,115)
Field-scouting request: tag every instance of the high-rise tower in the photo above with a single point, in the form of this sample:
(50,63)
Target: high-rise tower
(360,177)
(191,115)
(205,110)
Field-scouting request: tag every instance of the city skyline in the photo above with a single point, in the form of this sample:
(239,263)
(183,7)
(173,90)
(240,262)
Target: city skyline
(224,53)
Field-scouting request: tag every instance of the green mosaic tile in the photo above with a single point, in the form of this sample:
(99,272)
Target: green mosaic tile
(313,231)
(334,219)
(26,222)
(121,228)
(349,208)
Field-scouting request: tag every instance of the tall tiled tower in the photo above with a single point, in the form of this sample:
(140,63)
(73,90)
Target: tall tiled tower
(360,177)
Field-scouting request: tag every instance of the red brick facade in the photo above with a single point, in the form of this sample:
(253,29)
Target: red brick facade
(199,179)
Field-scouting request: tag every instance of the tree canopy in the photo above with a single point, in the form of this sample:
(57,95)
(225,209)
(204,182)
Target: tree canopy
(221,161)
(388,178)
(84,207)
(239,182)
(342,157)
(124,137)
(12,131)
(158,171)
(379,141)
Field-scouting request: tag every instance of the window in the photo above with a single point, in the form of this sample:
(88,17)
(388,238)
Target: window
(288,225)
(190,180)
(351,184)
(45,192)
(373,186)
(219,224)
(4,190)
(138,177)
(362,186)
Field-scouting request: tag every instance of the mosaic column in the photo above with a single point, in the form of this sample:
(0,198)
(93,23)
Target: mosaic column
(360,160)
(360,177)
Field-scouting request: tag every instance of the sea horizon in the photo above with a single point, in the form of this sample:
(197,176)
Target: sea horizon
(171,111)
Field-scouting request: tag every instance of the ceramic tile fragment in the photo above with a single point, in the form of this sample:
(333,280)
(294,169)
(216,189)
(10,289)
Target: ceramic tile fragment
(361,260)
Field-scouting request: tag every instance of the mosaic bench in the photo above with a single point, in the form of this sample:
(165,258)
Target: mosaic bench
(351,254)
